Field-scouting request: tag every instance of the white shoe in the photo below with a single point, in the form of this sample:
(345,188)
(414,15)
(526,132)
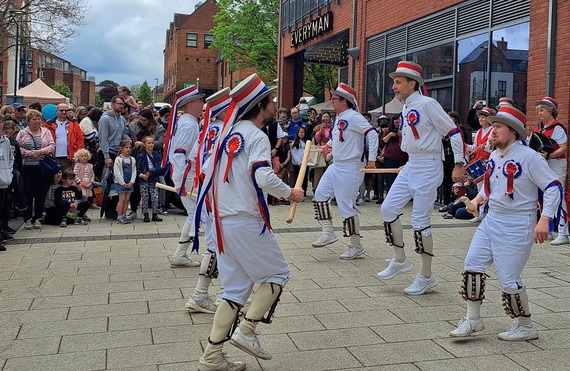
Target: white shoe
(37,224)
(225,365)
(352,252)
(421,285)
(394,268)
(183,262)
(326,238)
(518,332)
(467,326)
(131,215)
(478,218)
(359,202)
(203,304)
(248,344)
(560,240)
(29,225)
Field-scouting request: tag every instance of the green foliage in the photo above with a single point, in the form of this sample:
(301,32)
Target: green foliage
(246,34)
(319,78)
(108,83)
(98,100)
(135,89)
(145,93)
(63,90)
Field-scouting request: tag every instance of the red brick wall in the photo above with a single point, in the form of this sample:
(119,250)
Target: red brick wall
(87,92)
(189,64)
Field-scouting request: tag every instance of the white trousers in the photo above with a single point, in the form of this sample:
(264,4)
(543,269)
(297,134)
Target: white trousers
(249,258)
(506,240)
(341,181)
(559,167)
(419,180)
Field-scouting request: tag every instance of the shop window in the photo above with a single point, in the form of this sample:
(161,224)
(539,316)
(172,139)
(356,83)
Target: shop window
(471,72)
(374,85)
(390,66)
(192,40)
(436,62)
(509,59)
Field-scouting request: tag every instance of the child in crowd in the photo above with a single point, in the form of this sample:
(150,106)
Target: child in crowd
(6,174)
(68,201)
(125,174)
(84,175)
(51,212)
(297,152)
(14,201)
(148,168)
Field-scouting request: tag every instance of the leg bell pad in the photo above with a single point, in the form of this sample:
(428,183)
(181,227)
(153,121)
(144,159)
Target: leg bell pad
(473,286)
(419,241)
(513,306)
(211,270)
(235,306)
(349,227)
(322,210)
(389,234)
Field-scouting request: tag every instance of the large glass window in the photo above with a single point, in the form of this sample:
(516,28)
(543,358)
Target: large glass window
(471,78)
(374,86)
(436,62)
(391,65)
(510,51)
(208,40)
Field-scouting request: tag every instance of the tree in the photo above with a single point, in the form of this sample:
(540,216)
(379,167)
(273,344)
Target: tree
(98,101)
(135,91)
(108,83)
(246,34)
(319,78)
(63,90)
(108,92)
(145,93)
(46,25)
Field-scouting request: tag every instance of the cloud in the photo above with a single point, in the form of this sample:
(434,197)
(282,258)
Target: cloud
(123,40)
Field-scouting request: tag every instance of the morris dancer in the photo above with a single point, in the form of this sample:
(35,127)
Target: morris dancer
(511,188)
(181,135)
(424,124)
(549,125)
(341,180)
(214,111)
(237,174)
(481,148)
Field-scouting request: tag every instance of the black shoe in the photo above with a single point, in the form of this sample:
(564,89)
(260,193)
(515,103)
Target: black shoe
(443,209)
(6,236)
(2,248)
(156,218)
(146,219)
(379,201)
(9,230)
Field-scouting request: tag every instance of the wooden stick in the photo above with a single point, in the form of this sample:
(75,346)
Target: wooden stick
(469,205)
(320,150)
(172,189)
(382,170)
(299,182)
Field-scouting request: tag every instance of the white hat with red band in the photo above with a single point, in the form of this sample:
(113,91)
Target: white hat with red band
(410,70)
(348,93)
(550,102)
(486,111)
(511,117)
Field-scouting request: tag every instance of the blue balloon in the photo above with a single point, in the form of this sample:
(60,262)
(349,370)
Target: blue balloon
(49,111)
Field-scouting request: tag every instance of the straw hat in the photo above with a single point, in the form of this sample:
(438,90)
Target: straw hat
(511,117)
(550,102)
(348,93)
(248,93)
(188,95)
(410,70)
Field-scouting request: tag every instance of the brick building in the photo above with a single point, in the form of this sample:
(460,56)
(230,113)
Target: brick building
(187,57)
(470,50)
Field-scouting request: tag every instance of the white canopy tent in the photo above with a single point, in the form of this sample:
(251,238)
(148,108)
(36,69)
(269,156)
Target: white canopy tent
(392,107)
(323,107)
(38,91)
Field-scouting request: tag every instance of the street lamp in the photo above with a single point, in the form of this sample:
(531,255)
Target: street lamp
(13,14)
(156,90)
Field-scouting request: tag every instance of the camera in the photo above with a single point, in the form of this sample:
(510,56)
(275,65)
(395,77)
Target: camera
(383,122)
(394,129)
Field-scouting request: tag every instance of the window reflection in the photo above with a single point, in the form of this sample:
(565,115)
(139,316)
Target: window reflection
(391,65)
(471,79)
(374,86)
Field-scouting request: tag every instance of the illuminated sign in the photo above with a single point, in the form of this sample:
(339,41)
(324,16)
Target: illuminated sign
(312,29)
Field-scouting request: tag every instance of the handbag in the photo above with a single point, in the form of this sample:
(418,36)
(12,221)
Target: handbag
(49,166)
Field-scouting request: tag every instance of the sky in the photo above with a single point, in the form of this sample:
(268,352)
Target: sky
(123,40)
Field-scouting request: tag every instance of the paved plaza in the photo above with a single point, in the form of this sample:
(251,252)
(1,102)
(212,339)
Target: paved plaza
(103,296)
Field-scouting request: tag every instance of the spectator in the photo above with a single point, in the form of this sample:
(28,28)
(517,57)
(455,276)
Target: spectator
(7,110)
(90,133)
(6,174)
(35,143)
(321,138)
(14,193)
(84,176)
(125,173)
(130,102)
(148,169)
(164,114)
(67,135)
(51,213)
(80,113)
(393,156)
(37,106)
(295,123)
(297,152)
(111,127)
(68,201)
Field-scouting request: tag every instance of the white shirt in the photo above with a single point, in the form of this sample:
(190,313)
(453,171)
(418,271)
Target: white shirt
(534,174)
(187,132)
(61,139)
(432,124)
(355,130)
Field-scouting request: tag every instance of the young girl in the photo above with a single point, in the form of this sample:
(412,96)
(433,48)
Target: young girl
(51,213)
(84,175)
(125,174)
(297,152)
(148,168)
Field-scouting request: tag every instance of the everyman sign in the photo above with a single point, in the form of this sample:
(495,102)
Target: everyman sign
(312,29)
